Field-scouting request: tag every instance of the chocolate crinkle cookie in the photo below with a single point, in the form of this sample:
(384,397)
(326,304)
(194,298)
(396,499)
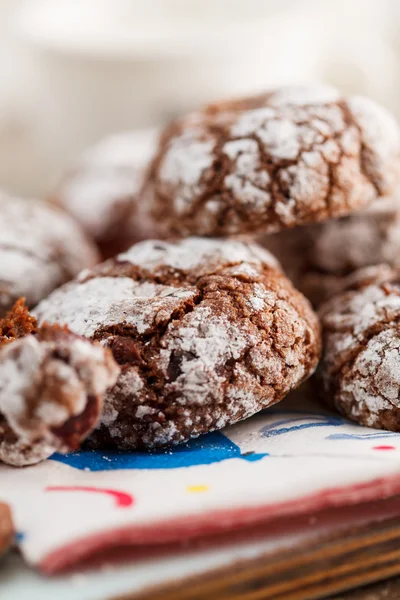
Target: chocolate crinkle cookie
(100,190)
(51,387)
(360,370)
(41,247)
(289,157)
(318,258)
(6,528)
(207,332)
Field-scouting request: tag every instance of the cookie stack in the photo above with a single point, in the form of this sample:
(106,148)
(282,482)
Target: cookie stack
(203,322)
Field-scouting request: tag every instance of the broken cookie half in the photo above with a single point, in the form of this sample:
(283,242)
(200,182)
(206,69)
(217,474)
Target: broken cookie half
(51,387)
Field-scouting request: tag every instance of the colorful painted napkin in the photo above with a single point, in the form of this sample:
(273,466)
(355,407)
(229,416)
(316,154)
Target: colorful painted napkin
(293,459)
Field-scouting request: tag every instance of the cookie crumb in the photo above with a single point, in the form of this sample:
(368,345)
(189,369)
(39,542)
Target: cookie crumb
(17,323)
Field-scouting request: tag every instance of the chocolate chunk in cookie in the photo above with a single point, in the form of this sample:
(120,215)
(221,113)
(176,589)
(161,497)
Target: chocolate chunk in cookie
(319,257)
(289,157)
(360,369)
(207,332)
(41,248)
(100,190)
(51,388)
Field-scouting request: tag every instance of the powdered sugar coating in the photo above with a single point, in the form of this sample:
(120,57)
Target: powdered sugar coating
(100,190)
(105,301)
(381,139)
(195,254)
(40,248)
(184,165)
(318,257)
(45,382)
(360,370)
(289,157)
(249,181)
(196,327)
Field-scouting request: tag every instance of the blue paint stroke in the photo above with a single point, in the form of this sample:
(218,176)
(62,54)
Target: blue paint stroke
(208,449)
(363,436)
(320,420)
(277,428)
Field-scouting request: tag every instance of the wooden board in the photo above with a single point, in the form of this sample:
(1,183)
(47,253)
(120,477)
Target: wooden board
(345,556)
(386,590)
(358,558)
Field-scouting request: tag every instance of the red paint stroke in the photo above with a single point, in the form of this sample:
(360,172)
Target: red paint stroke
(122,499)
(213,522)
(384,448)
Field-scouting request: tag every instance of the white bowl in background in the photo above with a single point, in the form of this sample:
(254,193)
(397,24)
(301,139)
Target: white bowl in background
(106,65)
(92,67)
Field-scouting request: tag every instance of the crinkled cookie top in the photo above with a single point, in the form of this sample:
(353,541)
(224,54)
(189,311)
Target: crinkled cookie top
(360,369)
(206,331)
(319,257)
(291,156)
(41,248)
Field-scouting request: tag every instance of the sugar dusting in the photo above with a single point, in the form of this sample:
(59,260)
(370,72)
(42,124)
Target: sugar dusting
(195,252)
(17,372)
(294,134)
(40,247)
(370,383)
(105,301)
(30,372)
(379,128)
(205,342)
(378,364)
(327,164)
(249,181)
(187,158)
(196,351)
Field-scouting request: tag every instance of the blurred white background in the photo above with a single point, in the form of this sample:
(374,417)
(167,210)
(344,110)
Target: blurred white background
(72,71)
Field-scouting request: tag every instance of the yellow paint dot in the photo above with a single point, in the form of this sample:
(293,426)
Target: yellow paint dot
(197,489)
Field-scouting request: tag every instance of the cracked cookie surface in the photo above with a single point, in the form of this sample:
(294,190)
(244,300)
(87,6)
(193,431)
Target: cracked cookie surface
(289,157)
(207,332)
(41,248)
(318,258)
(360,369)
